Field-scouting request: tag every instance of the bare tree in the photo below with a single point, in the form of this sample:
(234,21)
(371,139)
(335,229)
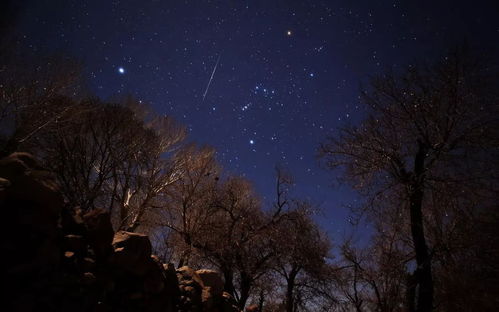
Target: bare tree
(187,202)
(112,157)
(220,222)
(302,252)
(373,278)
(239,243)
(35,95)
(428,130)
(147,170)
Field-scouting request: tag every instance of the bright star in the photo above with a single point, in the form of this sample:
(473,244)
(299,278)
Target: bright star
(289,33)
(251,142)
(121,70)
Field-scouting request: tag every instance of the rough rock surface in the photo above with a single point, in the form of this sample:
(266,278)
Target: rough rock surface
(58,259)
(213,280)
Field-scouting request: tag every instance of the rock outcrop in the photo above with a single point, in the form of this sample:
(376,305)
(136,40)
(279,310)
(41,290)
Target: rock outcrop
(59,259)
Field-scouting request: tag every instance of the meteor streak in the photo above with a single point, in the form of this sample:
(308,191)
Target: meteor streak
(211,78)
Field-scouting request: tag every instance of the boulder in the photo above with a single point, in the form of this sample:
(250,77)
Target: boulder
(27,159)
(31,245)
(75,243)
(99,232)
(191,288)
(13,166)
(187,276)
(132,253)
(213,280)
(31,205)
(72,221)
(208,300)
(154,280)
(58,259)
(26,182)
(171,282)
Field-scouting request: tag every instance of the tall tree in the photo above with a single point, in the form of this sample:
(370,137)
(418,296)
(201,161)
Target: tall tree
(428,131)
(301,253)
(236,237)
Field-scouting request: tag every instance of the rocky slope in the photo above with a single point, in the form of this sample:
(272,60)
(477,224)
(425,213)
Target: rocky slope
(58,259)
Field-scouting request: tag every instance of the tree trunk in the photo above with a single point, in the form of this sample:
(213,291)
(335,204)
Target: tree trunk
(229,281)
(357,301)
(410,293)
(290,302)
(261,301)
(184,258)
(138,217)
(424,298)
(245,290)
(186,254)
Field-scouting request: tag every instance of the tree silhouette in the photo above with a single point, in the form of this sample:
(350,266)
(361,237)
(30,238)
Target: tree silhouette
(110,156)
(302,251)
(430,131)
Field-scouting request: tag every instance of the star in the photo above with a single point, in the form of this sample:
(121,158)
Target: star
(251,142)
(289,33)
(121,70)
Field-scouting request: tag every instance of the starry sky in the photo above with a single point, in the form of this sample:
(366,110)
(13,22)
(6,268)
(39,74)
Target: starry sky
(264,82)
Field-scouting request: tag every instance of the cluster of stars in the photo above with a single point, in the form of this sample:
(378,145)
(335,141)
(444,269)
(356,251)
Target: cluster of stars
(264,91)
(285,79)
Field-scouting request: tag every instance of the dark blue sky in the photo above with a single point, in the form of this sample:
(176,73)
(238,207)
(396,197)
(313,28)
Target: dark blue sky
(288,75)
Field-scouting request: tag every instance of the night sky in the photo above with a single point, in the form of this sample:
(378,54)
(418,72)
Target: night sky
(287,72)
